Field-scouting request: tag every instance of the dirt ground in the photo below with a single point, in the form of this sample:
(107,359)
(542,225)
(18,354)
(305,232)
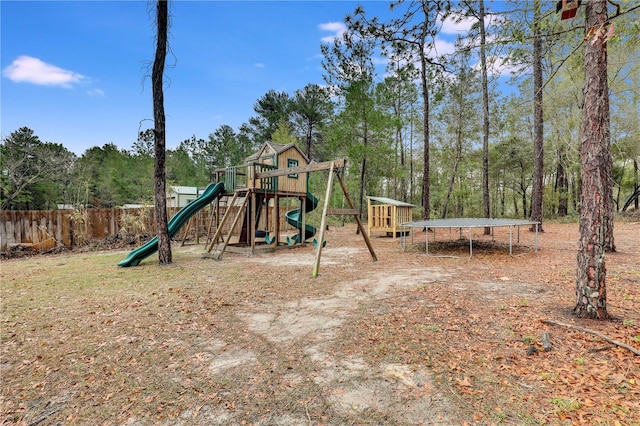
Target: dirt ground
(408,340)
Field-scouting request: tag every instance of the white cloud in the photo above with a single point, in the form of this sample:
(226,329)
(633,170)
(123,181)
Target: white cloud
(259,65)
(95,92)
(337,28)
(498,66)
(451,26)
(380,60)
(27,69)
(442,47)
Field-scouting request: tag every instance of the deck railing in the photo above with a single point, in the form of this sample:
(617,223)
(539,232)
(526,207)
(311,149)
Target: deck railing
(233,177)
(267,184)
(242,177)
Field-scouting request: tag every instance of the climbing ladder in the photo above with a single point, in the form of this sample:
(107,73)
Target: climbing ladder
(217,247)
(219,211)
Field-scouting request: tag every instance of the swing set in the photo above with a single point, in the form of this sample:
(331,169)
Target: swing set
(261,187)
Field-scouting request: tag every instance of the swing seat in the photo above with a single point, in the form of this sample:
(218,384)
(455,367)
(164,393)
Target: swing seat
(269,240)
(315,243)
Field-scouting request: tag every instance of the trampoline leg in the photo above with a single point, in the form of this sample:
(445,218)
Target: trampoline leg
(536,244)
(511,239)
(470,243)
(426,239)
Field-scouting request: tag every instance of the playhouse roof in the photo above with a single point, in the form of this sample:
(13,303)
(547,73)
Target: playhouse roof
(391,201)
(278,148)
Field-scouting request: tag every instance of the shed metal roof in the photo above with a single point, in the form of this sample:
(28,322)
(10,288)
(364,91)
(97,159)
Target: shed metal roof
(182,190)
(391,201)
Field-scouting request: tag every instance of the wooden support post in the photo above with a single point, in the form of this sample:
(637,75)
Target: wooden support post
(211,216)
(360,227)
(323,223)
(303,219)
(197,217)
(369,216)
(277,214)
(186,232)
(253,214)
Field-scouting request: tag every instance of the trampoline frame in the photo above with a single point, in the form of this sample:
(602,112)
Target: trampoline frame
(471,223)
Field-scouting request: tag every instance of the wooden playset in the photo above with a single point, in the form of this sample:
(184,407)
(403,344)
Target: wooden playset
(255,190)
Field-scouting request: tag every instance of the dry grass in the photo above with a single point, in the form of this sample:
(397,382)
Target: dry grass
(406,340)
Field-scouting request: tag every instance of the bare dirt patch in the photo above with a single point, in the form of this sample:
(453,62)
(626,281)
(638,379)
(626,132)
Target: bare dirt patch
(407,340)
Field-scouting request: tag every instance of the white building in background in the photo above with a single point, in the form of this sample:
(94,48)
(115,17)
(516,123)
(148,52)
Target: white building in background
(180,196)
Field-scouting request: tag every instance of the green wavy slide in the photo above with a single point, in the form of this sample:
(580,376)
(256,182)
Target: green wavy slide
(294,218)
(213,191)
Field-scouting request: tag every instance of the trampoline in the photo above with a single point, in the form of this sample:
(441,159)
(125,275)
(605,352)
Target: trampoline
(471,223)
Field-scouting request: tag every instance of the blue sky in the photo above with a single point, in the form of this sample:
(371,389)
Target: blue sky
(74,71)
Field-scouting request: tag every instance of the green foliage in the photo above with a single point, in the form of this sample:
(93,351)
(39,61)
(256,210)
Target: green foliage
(35,175)
(283,134)
(565,405)
(272,108)
(115,177)
(311,110)
(378,122)
(181,169)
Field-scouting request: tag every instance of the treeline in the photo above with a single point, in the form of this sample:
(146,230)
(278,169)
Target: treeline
(416,127)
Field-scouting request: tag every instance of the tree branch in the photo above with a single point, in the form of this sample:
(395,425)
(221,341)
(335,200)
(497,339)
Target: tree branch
(562,61)
(595,333)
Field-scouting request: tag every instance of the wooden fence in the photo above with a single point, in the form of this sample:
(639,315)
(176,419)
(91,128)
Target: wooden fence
(71,228)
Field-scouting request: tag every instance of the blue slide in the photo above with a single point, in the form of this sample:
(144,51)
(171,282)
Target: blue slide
(213,191)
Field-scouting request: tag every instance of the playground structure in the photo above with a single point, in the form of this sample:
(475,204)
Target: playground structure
(386,215)
(273,174)
(249,196)
(244,194)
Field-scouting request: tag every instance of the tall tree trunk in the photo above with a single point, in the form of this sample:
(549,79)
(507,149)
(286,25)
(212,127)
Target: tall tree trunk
(523,193)
(502,200)
(309,139)
(164,241)
(485,119)
(591,292)
(424,85)
(458,157)
(452,180)
(636,185)
(609,242)
(403,167)
(538,123)
(562,183)
(411,158)
(426,178)
(363,171)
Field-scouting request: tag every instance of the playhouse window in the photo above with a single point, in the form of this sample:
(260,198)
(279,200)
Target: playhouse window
(292,163)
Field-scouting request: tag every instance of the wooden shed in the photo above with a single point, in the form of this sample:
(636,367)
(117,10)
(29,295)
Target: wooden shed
(386,215)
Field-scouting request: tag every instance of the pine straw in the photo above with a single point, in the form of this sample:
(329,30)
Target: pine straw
(86,342)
